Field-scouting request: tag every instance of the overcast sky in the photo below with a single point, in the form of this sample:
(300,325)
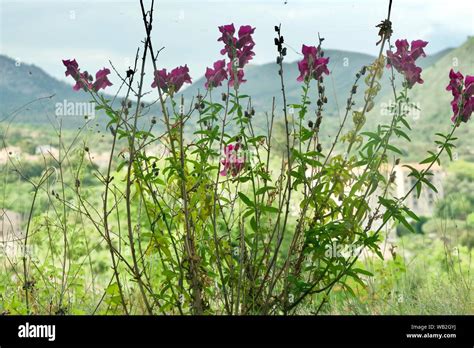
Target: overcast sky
(44,32)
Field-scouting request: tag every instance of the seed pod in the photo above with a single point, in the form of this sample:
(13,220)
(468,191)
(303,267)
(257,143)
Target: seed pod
(392,177)
(370,105)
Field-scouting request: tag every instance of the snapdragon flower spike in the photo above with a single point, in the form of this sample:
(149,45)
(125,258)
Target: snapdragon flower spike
(238,49)
(214,77)
(312,66)
(463,99)
(233,162)
(173,81)
(84,79)
(403,60)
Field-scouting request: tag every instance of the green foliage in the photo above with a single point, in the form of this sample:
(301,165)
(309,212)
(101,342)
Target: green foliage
(213,216)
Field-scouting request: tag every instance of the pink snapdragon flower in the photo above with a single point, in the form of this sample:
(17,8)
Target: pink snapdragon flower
(233,72)
(101,80)
(84,80)
(227,37)
(233,162)
(463,99)
(214,77)
(173,81)
(313,66)
(403,60)
(240,52)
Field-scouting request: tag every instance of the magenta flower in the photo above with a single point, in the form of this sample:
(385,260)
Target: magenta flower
(215,76)
(403,60)
(72,68)
(84,79)
(161,79)
(245,55)
(312,66)
(173,81)
(101,80)
(227,37)
(239,50)
(232,162)
(245,37)
(234,72)
(463,101)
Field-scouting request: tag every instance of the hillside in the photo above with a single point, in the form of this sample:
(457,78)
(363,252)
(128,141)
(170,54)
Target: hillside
(434,102)
(23,84)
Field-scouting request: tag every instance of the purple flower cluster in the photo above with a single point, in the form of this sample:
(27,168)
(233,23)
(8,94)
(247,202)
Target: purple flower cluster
(214,77)
(238,49)
(403,60)
(313,65)
(232,162)
(84,80)
(173,81)
(462,91)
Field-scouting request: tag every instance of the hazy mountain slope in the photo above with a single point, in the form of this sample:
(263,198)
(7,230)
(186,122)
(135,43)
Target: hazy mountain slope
(263,81)
(434,101)
(24,83)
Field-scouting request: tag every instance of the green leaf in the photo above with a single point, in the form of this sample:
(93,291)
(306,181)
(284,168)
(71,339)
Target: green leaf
(269,209)
(394,149)
(253,224)
(362,271)
(264,189)
(246,200)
